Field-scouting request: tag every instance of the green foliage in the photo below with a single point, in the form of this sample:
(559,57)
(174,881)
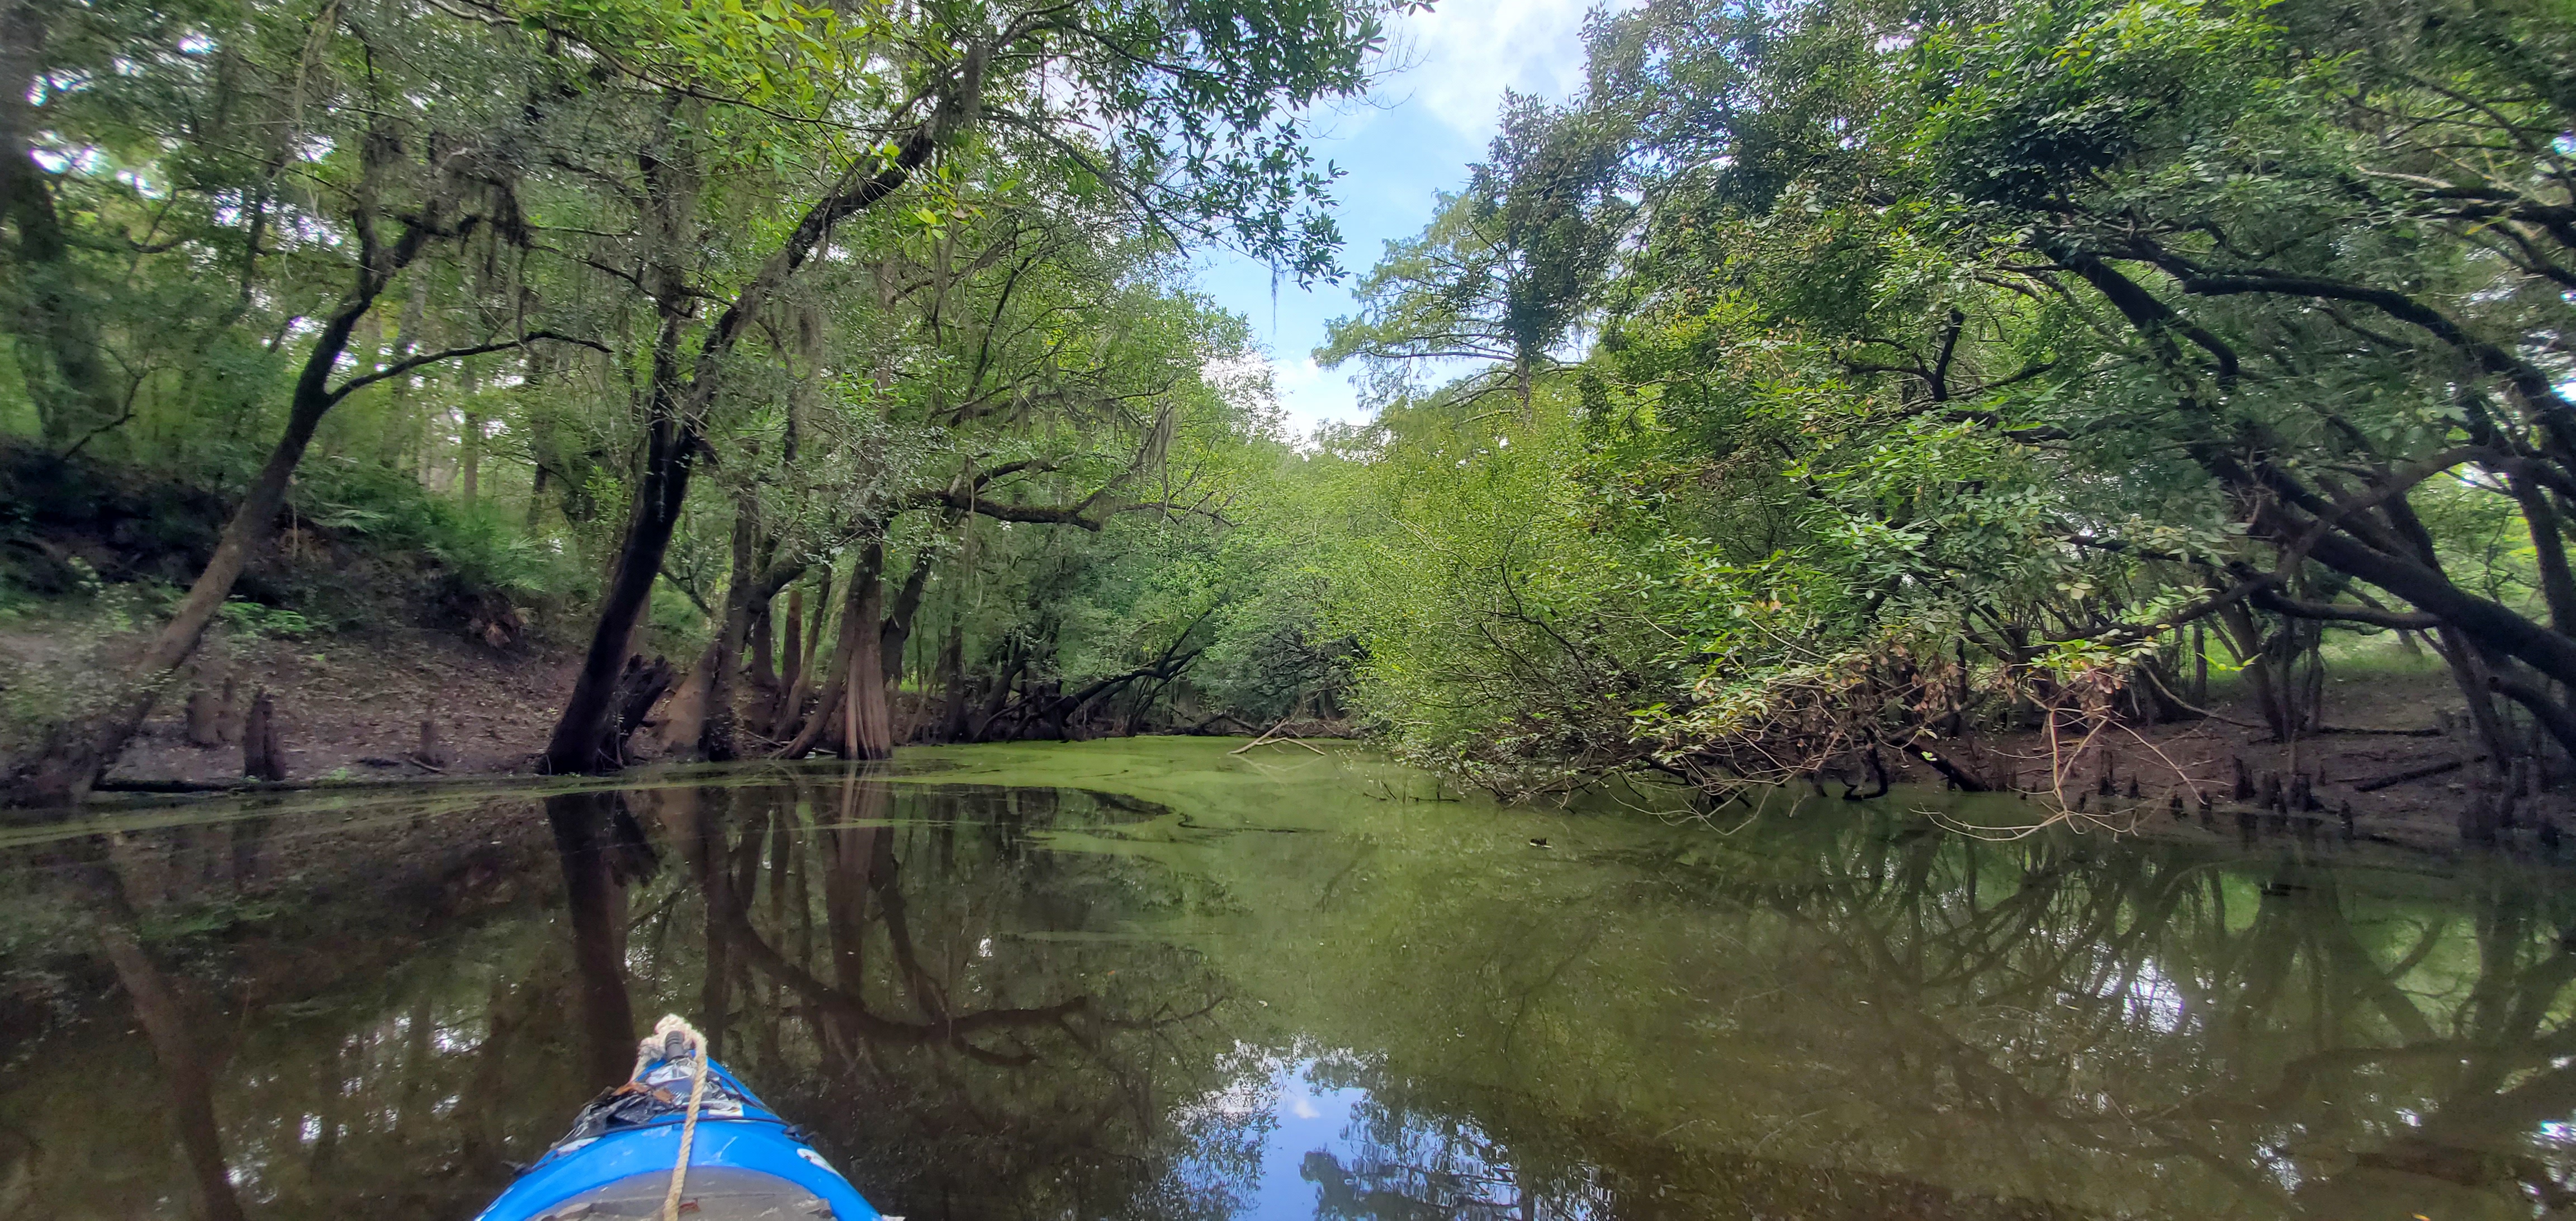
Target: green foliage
(252,619)
(487,236)
(1952,359)
(1507,269)
(474,543)
(1884,375)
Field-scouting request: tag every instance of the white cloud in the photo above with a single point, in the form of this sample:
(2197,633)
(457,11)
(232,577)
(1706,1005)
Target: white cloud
(1303,394)
(1466,52)
(1311,396)
(1295,376)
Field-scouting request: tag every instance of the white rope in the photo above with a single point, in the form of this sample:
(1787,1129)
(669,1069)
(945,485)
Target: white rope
(688,1118)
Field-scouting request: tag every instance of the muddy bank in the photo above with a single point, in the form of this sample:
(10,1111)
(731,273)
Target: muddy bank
(351,707)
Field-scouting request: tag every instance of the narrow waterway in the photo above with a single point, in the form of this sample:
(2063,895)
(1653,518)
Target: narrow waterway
(1150,979)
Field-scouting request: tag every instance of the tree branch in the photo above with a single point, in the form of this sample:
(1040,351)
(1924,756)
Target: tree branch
(406,365)
(2335,611)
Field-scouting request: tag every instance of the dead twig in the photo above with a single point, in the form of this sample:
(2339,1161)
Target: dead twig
(1263,740)
(1267,739)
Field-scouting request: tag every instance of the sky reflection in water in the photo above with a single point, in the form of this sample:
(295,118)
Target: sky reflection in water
(1326,1152)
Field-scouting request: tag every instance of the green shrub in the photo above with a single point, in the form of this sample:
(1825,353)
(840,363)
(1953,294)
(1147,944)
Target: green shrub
(252,619)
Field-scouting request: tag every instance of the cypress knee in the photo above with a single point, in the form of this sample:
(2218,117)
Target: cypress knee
(262,758)
(432,752)
(228,716)
(205,719)
(2477,820)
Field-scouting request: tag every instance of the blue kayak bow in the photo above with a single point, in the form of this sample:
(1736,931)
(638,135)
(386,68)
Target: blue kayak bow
(683,1138)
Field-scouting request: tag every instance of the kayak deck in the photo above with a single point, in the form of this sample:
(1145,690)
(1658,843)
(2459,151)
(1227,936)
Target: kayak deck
(711,1193)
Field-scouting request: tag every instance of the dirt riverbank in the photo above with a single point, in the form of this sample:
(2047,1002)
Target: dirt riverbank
(350,707)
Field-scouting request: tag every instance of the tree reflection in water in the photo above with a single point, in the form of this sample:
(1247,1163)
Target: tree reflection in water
(992,1002)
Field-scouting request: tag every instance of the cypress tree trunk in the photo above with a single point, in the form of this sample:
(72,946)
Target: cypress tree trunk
(684,718)
(867,723)
(764,647)
(898,620)
(579,743)
(858,623)
(814,626)
(581,740)
(952,680)
(674,405)
(791,684)
(791,709)
(205,719)
(717,741)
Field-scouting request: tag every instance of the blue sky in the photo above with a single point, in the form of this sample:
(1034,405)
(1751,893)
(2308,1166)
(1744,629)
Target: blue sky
(1427,123)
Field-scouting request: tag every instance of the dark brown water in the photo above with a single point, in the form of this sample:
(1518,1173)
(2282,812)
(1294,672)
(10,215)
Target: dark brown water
(1150,980)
